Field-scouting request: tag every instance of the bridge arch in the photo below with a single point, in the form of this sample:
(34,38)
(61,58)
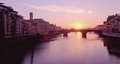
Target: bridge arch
(83,32)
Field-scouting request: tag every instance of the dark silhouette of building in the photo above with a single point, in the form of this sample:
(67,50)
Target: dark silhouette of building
(113,46)
(10,22)
(31,16)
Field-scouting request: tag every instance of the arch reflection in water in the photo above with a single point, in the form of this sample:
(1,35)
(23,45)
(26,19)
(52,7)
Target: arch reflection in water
(92,36)
(78,35)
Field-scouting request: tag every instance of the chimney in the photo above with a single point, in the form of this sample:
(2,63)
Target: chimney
(31,16)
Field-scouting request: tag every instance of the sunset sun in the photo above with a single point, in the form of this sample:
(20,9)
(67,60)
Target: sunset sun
(78,26)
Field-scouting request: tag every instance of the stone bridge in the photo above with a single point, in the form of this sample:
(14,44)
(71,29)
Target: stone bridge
(83,31)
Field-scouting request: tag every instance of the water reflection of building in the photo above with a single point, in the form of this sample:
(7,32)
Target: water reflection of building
(113,46)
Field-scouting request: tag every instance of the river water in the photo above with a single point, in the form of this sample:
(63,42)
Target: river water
(74,50)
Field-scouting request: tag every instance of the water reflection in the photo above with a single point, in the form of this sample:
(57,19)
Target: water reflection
(113,46)
(78,35)
(73,50)
(13,52)
(91,36)
(64,50)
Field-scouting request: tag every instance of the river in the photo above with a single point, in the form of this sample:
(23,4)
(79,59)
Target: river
(74,50)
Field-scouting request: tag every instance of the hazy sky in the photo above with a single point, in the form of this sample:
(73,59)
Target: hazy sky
(67,13)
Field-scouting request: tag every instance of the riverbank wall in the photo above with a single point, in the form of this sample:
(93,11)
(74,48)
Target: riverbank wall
(28,39)
(111,35)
